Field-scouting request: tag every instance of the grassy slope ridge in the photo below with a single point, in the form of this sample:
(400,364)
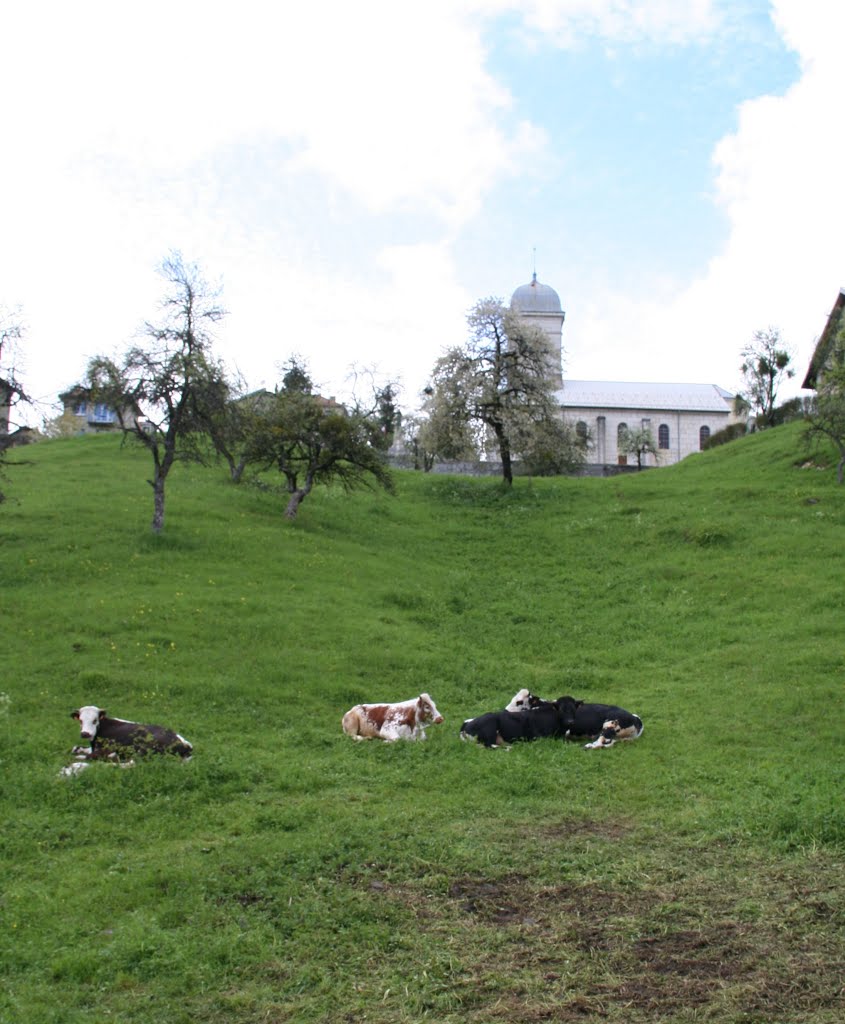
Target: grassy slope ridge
(289,874)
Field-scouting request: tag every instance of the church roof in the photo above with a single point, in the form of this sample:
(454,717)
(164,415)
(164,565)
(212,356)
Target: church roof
(657,397)
(536,298)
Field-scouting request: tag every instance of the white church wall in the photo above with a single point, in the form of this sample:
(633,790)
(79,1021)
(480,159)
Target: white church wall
(684,430)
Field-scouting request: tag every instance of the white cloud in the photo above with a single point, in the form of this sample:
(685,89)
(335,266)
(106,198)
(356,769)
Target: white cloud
(324,158)
(570,22)
(778,179)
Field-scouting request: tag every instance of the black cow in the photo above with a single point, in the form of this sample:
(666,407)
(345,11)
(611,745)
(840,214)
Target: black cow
(114,737)
(604,724)
(498,728)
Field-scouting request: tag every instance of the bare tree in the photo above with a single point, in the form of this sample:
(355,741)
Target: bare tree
(12,393)
(499,379)
(162,390)
(765,365)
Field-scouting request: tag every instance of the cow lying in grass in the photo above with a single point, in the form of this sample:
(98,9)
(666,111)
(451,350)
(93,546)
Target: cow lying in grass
(552,719)
(405,720)
(604,724)
(115,738)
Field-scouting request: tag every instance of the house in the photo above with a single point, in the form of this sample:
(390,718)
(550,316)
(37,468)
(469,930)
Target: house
(262,400)
(90,417)
(824,346)
(680,417)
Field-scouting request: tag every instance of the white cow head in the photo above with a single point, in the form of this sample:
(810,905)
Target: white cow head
(523,700)
(89,720)
(427,711)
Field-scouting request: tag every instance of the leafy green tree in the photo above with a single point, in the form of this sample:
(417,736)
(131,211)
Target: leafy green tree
(439,433)
(765,366)
(639,443)
(230,417)
(499,380)
(295,376)
(552,447)
(388,415)
(163,391)
(311,440)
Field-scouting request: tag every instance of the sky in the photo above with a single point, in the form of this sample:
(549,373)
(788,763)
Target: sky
(356,176)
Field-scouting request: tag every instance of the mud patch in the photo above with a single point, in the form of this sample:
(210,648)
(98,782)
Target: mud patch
(502,903)
(612,830)
(688,947)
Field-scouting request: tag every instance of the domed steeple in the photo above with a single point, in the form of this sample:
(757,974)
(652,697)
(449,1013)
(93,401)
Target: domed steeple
(540,304)
(536,298)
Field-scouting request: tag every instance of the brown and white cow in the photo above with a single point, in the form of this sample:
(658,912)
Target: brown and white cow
(405,720)
(115,738)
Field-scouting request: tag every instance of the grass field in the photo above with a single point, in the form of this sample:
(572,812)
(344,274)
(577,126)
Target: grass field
(287,873)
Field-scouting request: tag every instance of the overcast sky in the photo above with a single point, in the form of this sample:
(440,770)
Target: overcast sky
(356,176)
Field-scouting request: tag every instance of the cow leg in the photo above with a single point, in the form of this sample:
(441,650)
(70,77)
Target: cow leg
(83,752)
(606,738)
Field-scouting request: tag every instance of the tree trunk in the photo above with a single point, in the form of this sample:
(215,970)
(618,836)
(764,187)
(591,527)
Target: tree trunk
(504,455)
(236,470)
(298,495)
(158,503)
(295,500)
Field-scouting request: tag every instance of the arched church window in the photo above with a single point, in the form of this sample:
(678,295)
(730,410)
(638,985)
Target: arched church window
(581,430)
(703,436)
(663,436)
(621,431)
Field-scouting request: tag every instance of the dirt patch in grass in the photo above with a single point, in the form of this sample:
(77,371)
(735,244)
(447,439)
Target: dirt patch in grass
(686,948)
(611,829)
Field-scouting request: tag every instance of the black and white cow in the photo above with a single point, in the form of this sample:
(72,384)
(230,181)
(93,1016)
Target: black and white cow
(604,724)
(499,728)
(524,700)
(112,738)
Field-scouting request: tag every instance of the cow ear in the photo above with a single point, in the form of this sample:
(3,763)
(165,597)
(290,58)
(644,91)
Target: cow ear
(103,712)
(74,714)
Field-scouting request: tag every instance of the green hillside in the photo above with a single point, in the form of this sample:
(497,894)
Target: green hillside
(287,873)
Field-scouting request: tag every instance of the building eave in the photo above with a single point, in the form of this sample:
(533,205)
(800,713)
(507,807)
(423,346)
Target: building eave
(825,343)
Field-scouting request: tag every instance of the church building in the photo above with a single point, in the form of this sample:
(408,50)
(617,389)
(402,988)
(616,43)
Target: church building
(680,417)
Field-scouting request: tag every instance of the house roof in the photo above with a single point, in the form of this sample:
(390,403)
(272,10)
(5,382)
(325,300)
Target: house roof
(657,397)
(824,345)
